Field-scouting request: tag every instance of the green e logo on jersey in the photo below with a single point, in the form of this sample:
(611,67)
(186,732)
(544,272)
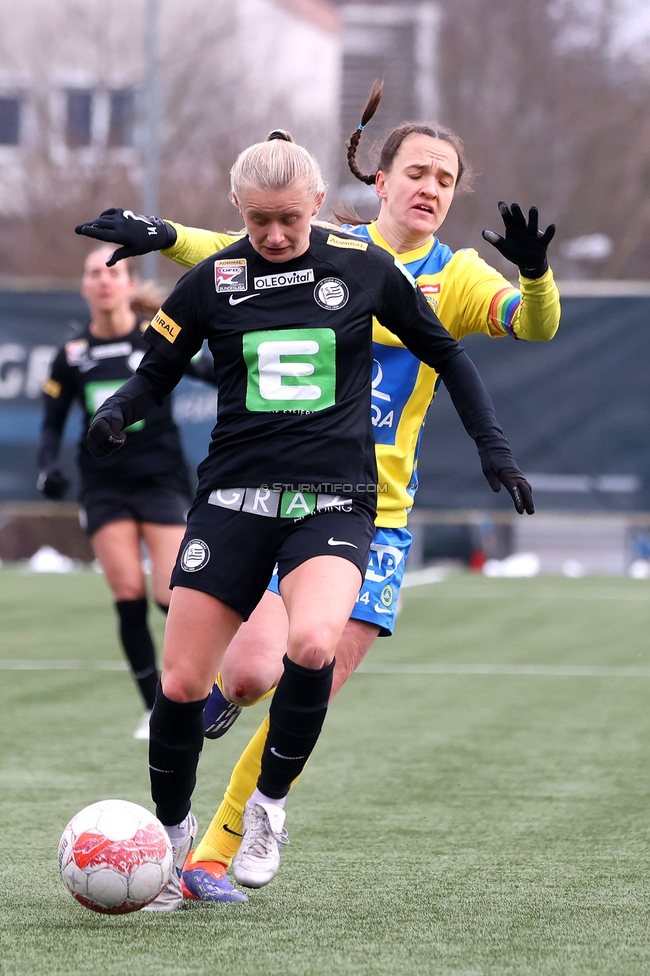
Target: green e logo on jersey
(290,369)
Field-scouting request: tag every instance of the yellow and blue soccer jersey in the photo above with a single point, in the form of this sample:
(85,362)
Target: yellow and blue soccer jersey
(468,296)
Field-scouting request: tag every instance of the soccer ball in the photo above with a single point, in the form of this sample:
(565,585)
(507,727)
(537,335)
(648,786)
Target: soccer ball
(115,857)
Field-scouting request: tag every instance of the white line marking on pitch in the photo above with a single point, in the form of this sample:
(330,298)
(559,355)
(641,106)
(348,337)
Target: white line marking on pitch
(525,670)
(438,574)
(44,664)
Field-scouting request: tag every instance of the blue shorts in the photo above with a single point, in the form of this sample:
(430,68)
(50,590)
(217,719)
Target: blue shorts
(377,600)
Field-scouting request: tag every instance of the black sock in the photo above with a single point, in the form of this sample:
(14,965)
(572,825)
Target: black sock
(138,646)
(175,743)
(163,606)
(297,713)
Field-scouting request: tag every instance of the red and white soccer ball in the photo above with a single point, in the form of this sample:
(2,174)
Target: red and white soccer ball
(115,857)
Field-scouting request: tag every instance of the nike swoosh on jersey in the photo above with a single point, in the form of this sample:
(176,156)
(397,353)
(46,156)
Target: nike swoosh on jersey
(238,301)
(338,542)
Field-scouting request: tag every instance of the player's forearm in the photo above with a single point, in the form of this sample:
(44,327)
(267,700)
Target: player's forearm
(538,316)
(475,408)
(155,378)
(49,447)
(193,245)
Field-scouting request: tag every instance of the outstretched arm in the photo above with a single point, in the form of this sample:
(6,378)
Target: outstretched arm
(537,317)
(403,309)
(160,370)
(138,234)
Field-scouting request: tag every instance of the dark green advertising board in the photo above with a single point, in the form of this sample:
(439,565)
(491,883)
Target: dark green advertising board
(576,410)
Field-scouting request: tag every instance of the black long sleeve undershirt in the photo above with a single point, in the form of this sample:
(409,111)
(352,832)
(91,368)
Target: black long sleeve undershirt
(476,411)
(157,376)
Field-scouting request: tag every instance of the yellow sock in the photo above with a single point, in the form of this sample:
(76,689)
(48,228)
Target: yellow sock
(267,694)
(219,843)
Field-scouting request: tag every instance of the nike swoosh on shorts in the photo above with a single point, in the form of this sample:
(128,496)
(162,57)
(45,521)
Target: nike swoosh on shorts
(339,542)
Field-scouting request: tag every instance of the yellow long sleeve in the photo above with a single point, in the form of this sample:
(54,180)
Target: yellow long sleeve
(538,317)
(194,245)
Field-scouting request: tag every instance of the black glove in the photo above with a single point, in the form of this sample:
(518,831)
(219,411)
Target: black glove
(519,489)
(105,434)
(523,244)
(137,234)
(52,483)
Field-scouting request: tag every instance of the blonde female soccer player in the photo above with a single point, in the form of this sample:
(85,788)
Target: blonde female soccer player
(290,478)
(421,168)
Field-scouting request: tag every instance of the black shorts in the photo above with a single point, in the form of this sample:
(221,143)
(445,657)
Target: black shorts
(231,555)
(164,500)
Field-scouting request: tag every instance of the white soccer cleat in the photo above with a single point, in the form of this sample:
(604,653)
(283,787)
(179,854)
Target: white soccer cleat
(170,898)
(258,859)
(142,731)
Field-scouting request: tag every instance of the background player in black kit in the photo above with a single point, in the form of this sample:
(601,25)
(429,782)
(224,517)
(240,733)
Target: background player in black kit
(141,494)
(291,473)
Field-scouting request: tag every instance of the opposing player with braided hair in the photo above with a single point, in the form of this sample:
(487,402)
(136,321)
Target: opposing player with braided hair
(422,168)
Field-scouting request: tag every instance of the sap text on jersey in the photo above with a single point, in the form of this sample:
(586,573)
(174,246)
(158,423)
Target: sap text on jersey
(282,280)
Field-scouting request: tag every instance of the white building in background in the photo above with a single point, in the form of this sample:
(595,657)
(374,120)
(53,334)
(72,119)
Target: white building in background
(396,42)
(71,81)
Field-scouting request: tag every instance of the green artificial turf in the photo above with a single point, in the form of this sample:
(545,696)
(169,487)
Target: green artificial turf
(447,824)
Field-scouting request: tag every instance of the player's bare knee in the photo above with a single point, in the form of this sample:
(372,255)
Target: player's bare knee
(128,591)
(182,688)
(244,691)
(312,651)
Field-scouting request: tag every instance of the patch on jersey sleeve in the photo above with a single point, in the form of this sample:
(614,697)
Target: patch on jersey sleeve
(230,275)
(430,288)
(166,326)
(52,388)
(353,243)
(407,274)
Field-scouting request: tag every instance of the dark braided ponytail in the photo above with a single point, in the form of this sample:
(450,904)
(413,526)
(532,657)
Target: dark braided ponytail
(395,139)
(371,107)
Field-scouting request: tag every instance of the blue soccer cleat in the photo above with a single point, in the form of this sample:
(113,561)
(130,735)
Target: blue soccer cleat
(208,881)
(219,714)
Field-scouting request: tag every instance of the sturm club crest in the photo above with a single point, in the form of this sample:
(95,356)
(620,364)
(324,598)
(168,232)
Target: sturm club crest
(331,293)
(230,275)
(195,556)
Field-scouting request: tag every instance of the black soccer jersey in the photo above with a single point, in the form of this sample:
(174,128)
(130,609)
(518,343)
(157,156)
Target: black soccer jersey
(293,359)
(89,370)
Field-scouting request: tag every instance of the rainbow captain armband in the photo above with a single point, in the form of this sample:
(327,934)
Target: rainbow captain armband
(503,308)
